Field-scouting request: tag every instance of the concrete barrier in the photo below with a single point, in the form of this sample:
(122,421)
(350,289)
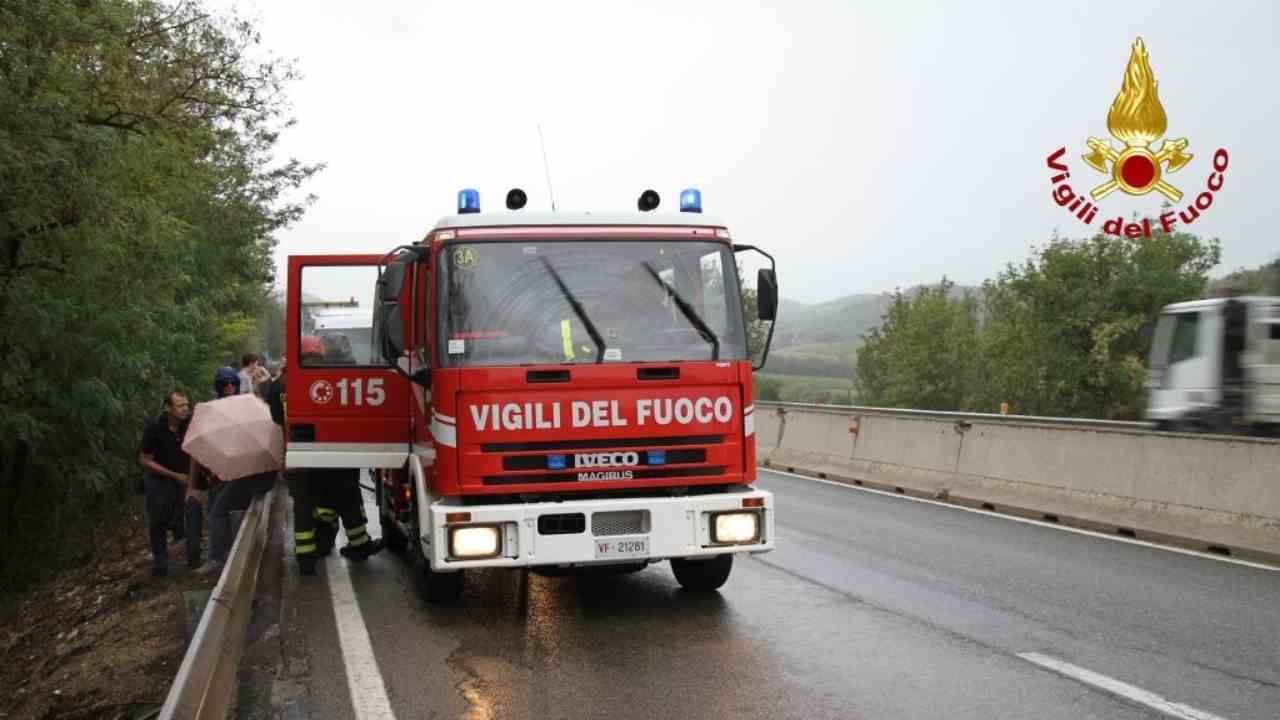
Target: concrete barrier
(205,683)
(1213,491)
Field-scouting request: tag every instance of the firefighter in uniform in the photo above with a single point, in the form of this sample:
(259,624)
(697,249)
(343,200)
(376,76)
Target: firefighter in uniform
(335,492)
(321,496)
(304,531)
(336,496)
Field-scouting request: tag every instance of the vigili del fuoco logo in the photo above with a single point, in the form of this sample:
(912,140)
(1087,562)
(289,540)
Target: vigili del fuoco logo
(1136,120)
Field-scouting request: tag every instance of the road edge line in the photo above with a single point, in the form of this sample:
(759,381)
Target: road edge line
(1119,688)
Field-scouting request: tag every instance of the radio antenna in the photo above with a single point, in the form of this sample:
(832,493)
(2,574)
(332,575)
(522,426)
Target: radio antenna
(547,168)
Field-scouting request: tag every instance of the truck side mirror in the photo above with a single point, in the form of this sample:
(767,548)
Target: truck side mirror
(766,294)
(390,331)
(391,282)
(766,301)
(388,322)
(395,266)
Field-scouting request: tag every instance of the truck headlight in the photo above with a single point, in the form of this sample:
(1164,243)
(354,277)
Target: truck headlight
(475,541)
(735,527)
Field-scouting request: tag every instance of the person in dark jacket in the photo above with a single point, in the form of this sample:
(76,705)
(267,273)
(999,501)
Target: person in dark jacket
(167,468)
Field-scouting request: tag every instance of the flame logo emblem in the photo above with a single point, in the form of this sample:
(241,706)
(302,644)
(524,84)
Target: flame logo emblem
(321,392)
(1137,119)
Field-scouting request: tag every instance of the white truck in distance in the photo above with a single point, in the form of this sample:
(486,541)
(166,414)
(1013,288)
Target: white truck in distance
(1215,366)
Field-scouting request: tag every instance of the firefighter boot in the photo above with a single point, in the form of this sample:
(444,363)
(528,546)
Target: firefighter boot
(362,552)
(326,530)
(325,536)
(359,545)
(307,564)
(304,544)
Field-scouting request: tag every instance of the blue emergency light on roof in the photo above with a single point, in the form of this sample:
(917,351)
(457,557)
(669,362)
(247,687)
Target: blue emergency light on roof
(691,201)
(468,201)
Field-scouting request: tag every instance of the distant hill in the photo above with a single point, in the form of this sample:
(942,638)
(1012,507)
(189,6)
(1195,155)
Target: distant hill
(822,339)
(844,319)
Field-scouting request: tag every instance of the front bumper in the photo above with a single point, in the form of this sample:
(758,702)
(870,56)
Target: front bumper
(675,527)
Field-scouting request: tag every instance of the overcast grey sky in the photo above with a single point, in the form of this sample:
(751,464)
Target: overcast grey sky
(867,144)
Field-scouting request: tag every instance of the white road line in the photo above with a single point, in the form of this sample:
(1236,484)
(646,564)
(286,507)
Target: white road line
(1030,521)
(1121,689)
(364,679)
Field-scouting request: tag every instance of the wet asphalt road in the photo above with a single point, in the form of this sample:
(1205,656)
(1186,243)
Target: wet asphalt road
(872,607)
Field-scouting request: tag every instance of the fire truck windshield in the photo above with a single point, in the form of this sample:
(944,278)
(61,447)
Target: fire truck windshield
(513,303)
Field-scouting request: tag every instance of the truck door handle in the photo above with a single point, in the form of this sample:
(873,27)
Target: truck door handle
(658,373)
(547,376)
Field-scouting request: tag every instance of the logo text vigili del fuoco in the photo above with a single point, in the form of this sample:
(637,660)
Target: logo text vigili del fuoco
(1137,120)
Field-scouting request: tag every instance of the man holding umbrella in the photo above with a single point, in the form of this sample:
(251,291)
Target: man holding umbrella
(235,439)
(200,482)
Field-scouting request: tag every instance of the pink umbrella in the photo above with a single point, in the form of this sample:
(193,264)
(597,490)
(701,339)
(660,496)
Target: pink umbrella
(235,436)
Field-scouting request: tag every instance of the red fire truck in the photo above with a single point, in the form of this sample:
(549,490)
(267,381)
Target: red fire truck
(562,392)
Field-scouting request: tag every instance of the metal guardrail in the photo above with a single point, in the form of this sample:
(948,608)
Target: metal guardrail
(981,417)
(205,680)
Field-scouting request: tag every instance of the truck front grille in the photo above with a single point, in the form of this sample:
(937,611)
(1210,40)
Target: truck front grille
(620,522)
(565,477)
(683,456)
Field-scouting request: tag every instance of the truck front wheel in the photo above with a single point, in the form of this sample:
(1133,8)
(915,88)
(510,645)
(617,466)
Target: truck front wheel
(702,575)
(395,540)
(437,587)
(393,536)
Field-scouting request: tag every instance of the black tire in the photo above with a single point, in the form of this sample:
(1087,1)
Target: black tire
(439,588)
(436,588)
(702,575)
(394,538)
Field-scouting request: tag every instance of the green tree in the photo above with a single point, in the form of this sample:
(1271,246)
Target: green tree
(1065,330)
(138,201)
(271,326)
(1064,333)
(923,355)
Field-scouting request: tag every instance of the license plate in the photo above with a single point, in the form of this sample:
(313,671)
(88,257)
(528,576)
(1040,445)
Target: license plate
(622,547)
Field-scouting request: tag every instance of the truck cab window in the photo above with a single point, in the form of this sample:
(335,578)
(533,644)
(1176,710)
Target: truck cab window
(336,321)
(1185,337)
(572,301)
(715,289)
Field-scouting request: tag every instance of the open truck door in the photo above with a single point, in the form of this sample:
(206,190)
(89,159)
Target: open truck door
(347,406)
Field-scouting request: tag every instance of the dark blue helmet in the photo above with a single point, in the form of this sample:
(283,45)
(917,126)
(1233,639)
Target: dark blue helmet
(223,376)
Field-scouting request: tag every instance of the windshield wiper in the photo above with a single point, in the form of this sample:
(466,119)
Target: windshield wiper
(689,313)
(577,309)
